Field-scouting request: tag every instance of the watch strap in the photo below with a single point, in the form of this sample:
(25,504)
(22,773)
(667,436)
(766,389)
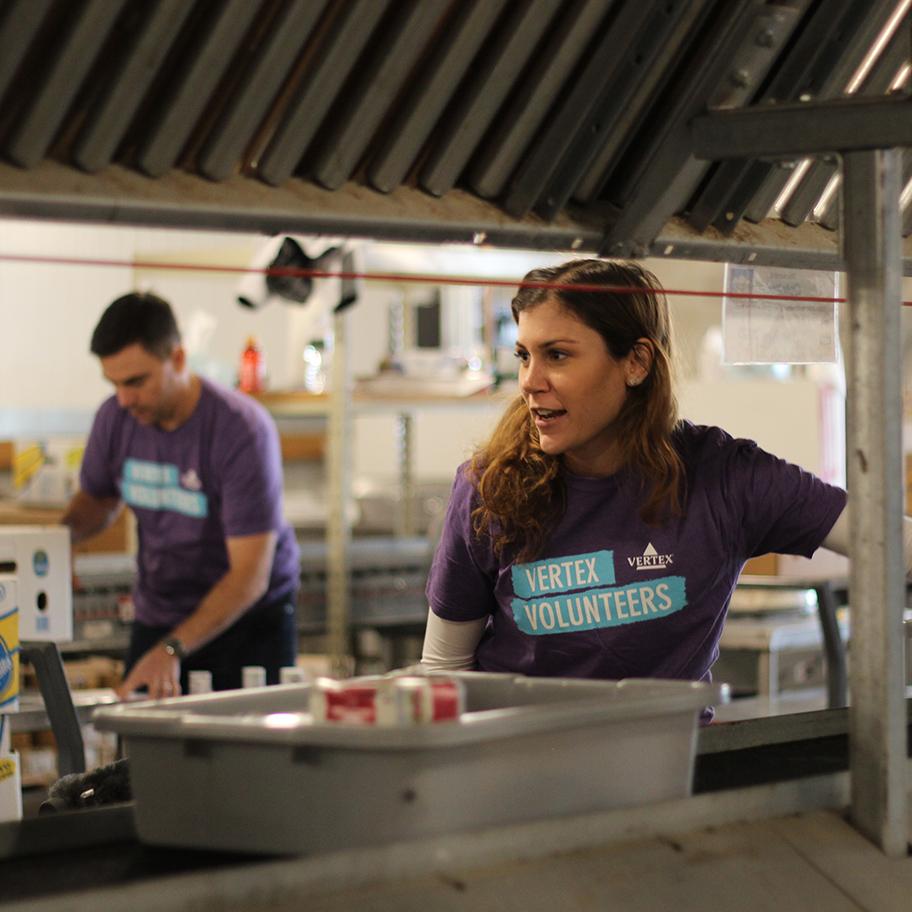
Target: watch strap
(173,646)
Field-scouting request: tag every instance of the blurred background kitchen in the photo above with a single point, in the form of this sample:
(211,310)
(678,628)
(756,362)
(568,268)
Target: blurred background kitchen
(427,368)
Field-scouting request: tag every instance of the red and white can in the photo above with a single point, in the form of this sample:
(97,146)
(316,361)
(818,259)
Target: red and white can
(416,700)
(403,700)
(343,701)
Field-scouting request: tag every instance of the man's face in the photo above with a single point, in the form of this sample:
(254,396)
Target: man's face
(147,386)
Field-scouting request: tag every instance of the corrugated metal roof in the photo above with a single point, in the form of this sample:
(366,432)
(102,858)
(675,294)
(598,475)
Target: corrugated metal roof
(537,123)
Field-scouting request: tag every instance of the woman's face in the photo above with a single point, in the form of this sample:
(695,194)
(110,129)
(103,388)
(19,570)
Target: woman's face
(573,386)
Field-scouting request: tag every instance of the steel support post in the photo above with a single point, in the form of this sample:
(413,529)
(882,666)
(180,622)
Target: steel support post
(871,237)
(338,526)
(405,517)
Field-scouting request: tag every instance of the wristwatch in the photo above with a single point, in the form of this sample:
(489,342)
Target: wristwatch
(174,647)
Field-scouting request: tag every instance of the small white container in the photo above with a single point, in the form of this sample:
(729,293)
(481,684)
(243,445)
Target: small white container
(253,676)
(199,682)
(294,674)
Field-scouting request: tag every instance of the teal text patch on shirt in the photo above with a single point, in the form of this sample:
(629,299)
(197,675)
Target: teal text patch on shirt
(605,607)
(563,574)
(155,486)
(143,472)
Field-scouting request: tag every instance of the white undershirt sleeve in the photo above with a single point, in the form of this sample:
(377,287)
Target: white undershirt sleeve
(838,538)
(450,645)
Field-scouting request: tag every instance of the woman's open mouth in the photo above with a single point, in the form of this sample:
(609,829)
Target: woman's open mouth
(544,418)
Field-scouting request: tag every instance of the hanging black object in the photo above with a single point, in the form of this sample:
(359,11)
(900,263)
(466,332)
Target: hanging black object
(348,294)
(295,288)
(276,273)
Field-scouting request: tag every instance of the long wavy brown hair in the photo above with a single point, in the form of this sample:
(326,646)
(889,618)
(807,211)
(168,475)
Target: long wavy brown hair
(522,496)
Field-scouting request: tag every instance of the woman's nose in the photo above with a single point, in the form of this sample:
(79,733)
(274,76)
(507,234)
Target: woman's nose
(532,377)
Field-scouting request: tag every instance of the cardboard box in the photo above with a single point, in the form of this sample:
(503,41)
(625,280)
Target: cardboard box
(119,538)
(93,673)
(9,645)
(10,787)
(39,557)
(38,766)
(47,471)
(823,566)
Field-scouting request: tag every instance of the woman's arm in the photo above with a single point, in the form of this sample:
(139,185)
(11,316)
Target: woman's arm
(838,538)
(450,645)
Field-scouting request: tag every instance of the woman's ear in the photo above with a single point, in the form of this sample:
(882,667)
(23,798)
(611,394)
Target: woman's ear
(639,361)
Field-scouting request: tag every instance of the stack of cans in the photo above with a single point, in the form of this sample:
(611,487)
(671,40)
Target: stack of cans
(401,700)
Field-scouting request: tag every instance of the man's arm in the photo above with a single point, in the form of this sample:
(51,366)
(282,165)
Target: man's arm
(87,516)
(250,564)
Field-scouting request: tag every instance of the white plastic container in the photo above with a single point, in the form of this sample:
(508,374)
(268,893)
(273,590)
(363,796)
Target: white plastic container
(252,771)
(199,682)
(253,676)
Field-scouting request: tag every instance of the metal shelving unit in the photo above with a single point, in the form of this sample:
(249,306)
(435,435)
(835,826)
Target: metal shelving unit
(338,407)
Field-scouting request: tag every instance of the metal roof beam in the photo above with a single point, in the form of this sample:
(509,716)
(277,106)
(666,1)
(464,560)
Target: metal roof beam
(29,142)
(107,124)
(769,243)
(380,79)
(524,118)
(813,128)
(120,195)
(641,62)
(340,49)
(808,192)
(207,64)
(666,173)
(831,43)
(292,27)
(21,23)
(491,78)
(400,143)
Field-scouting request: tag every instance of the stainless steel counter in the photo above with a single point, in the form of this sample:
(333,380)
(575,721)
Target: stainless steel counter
(32,715)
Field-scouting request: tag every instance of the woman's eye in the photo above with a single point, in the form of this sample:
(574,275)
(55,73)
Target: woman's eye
(521,356)
(555,354)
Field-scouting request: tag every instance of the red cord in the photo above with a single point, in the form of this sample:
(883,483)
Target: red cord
(418,278)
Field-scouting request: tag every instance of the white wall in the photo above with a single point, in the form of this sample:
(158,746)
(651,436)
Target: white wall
(46,369)
(50,310)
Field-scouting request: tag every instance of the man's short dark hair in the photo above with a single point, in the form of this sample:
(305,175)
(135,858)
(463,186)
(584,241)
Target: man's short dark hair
(136,317)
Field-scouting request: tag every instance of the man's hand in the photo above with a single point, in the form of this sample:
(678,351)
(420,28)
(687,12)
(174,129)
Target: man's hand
(158,670)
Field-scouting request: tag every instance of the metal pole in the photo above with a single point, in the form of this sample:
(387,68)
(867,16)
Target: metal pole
(871,235)
(338,529)
(405,520)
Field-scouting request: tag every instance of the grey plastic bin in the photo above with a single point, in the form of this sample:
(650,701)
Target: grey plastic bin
(250,770)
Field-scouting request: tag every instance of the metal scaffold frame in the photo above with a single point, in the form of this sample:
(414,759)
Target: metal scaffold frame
(863,134)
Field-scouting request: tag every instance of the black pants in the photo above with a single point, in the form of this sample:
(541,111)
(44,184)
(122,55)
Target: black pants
(266,635)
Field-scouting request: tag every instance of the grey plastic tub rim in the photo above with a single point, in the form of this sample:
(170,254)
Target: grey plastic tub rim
(257,715)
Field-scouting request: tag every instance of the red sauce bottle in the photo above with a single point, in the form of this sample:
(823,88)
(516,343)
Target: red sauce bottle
(253,368)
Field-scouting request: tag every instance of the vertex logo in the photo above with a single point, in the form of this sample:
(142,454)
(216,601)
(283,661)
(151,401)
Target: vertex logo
(651,560)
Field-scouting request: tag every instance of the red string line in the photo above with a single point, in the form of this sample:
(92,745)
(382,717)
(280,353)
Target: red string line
(416,278)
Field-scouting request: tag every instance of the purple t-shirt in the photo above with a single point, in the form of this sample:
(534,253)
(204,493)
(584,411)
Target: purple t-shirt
(611,597)
(217,476)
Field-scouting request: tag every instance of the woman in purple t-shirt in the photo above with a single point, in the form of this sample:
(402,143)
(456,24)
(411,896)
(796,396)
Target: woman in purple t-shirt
(596,534)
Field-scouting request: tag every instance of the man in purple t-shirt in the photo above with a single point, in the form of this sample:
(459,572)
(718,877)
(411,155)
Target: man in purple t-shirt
(200,466)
